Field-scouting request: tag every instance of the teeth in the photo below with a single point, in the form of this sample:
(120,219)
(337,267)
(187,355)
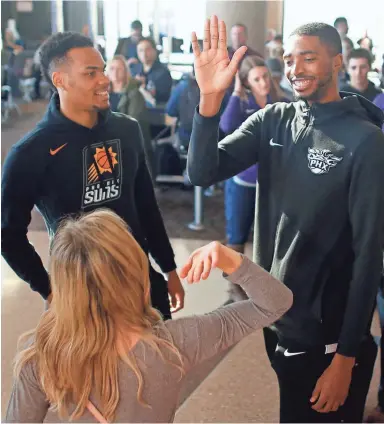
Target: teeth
(102,93)
(301,83)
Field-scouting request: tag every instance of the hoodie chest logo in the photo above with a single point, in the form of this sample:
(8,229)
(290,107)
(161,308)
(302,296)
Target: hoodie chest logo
(320,161)
(102,173)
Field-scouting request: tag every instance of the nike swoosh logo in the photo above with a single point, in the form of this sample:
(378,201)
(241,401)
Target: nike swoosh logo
(286,353)
(53,152)
(271,143)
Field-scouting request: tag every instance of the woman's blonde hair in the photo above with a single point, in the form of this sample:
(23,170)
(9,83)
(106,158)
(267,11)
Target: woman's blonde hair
(251,62)
(120,58)
(101,293)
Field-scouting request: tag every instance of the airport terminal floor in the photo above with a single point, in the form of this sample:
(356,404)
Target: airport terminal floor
(237,387)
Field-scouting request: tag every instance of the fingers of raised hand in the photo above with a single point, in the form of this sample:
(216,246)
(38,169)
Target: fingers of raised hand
(236,59)
(214,32)
(222,36)
(195,45)
(207,35)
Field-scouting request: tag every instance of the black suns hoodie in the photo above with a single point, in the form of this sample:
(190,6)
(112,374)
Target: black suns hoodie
(319,210)
(63,169)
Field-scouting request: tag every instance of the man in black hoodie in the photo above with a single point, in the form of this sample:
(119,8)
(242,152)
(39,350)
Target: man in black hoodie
(81,157)
(319,215)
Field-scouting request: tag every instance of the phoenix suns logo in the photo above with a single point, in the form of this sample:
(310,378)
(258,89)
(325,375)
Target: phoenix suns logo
(102,171)
(320,161)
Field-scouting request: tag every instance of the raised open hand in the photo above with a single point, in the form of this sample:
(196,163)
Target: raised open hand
(213,69)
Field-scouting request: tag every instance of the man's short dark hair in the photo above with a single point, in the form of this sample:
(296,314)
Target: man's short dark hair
(242,26)
(53,51)
(340,20)
(361,54)
(327,34)
(137,25)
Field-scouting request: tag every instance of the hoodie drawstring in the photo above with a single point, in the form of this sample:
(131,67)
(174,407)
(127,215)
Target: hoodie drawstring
(110,163)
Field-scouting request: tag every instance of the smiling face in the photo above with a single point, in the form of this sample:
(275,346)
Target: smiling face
(82,81)
(311,68)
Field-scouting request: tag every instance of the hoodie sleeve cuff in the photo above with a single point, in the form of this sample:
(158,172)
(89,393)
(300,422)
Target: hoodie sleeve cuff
(212,120)
(168,266)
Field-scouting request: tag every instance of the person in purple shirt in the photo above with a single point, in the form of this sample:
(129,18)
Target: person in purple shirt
(254,89)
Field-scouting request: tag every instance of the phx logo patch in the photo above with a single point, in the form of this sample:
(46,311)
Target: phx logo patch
(320,161)
(102,173)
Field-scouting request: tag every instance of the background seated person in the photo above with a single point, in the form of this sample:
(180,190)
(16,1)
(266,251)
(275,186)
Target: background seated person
(181,105)
(154,77)
(125,97)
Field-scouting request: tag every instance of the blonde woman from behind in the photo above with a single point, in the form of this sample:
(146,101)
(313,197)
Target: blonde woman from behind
(102,350)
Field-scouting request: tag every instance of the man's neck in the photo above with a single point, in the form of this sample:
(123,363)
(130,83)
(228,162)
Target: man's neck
(361,87)
(330,96)
(147,67)
(85,118)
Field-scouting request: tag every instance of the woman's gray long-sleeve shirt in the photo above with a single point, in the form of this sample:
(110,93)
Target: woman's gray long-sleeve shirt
(198,338)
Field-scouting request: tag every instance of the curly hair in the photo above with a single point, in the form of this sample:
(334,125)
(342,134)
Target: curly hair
(53,51)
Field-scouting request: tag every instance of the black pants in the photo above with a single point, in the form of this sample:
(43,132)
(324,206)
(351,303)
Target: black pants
(159,293)
(298,375)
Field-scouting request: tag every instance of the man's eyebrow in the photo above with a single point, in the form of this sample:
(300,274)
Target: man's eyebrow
(93,67)
(303,53)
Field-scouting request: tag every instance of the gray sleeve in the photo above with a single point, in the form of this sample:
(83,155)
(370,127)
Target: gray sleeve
(210,161)
(200,337)
(28,403)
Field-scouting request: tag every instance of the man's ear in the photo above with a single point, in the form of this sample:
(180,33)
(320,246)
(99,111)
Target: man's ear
(338,62)
(58,80)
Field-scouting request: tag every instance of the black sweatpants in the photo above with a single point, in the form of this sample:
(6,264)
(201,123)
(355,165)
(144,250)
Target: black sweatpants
(297,376)
(159,293)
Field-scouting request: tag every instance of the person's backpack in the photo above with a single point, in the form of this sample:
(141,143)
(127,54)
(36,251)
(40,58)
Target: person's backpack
(188,101)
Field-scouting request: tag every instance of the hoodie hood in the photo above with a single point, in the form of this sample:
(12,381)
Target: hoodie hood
(57,122)
(363,107)
(351,103)
(54,118)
